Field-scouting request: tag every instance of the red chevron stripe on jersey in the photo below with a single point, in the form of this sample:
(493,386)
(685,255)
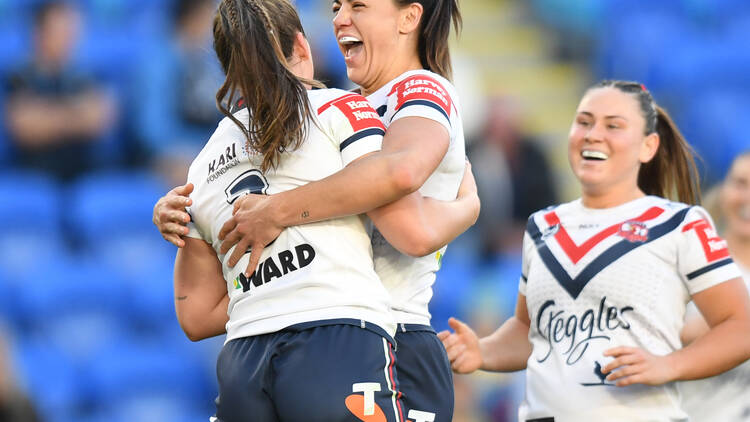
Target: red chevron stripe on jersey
(355,107)
(422,87)
(575,252)
(714,246)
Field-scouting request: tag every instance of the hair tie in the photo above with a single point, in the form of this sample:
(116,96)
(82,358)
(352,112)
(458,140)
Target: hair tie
(643,88)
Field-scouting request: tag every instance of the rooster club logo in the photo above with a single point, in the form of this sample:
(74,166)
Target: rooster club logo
(633,231)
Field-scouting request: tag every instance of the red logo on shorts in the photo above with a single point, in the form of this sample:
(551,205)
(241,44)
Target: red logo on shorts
(356,404)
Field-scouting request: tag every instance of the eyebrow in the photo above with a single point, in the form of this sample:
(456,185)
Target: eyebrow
(613,116)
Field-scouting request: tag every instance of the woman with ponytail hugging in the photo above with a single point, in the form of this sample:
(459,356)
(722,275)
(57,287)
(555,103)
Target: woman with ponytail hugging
(397,52)
(310,334)
(606,278)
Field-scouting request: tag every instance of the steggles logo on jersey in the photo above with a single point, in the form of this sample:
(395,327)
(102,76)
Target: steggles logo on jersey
(633,231)
(599,374)
(276,267)
(218,166)
(573,333)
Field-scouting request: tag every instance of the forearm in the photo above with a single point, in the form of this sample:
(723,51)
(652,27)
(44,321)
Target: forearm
(419,226)
(508,348)
(722,348)
(201,321)
(365,184)
(201,298)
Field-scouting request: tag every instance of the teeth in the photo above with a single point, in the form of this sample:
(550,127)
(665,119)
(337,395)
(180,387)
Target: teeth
(348,40)
(597,155)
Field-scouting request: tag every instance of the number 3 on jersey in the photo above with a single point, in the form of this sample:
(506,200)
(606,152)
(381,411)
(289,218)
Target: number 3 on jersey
(251,181)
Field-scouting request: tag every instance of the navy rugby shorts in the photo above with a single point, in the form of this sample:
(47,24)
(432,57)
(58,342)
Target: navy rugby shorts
(425,374)
(324,371)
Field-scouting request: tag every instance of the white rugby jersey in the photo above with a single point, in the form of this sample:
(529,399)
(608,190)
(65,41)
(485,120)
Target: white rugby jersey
(419,93)
(724,397)
(311,272)
(600,278)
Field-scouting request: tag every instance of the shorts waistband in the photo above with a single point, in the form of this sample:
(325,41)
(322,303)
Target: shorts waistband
(404,328)
(342,321)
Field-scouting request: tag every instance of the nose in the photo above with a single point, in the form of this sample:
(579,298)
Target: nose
(342,18)
(595,133)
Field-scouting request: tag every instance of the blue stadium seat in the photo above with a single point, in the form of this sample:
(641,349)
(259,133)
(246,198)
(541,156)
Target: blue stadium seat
(30,217)
(114,209)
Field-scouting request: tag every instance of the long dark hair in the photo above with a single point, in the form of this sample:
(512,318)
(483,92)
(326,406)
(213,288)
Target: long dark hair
(252,39)
(672,171)
(434,30)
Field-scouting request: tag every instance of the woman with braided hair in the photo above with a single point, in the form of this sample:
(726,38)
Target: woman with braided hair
(310,334)
(606,278)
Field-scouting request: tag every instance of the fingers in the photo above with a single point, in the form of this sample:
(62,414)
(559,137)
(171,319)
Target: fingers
(239,250)
(178,202)
(227,228)
(621,350)
(458,326)
(625,373)
(184,190)
(443,335)
(174,228)
(174,239)
(238,203)
(256,252)
(230,240)
(623,360)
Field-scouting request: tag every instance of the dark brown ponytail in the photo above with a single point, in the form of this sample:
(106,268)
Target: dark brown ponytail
(434,30)
(672,172)
(253,39)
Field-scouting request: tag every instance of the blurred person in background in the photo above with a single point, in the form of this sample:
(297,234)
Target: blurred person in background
(55,113)
(15,406)
(606,278)
(725,397)
(513,176)
(176,82)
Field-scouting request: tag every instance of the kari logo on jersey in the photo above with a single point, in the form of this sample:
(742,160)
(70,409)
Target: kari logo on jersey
(422,89)
(714,247)
(357,110)
(633,231)
(220,165)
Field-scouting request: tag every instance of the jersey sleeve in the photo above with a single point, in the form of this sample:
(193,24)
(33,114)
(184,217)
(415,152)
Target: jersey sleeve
(354,125)
(422,96)
(703,258)
(528,250)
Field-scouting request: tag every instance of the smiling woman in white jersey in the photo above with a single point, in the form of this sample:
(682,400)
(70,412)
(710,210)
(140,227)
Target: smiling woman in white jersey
(725,397)
(316,312)
(606,278)
(397,52)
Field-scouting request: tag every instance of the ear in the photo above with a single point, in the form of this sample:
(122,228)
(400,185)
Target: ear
(301,49)
(649,147)
(409,18)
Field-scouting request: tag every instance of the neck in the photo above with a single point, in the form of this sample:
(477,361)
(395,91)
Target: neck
(393,71)
(739,248)
(610,198)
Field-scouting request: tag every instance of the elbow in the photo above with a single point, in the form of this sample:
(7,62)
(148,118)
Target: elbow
(421,245)
(404,178)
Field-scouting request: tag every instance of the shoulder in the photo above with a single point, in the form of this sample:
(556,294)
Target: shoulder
(426,88)
(339,107)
